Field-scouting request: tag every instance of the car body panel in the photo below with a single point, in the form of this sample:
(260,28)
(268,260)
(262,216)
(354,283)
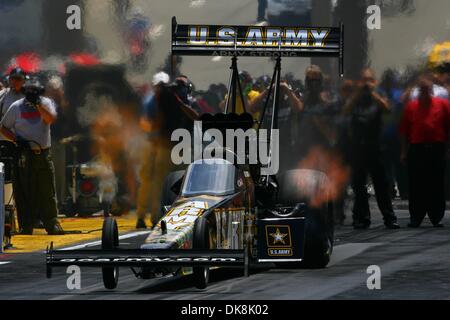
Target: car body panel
(221,213)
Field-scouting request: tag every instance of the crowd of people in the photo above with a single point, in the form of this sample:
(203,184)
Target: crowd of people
(391,135)
(394,130)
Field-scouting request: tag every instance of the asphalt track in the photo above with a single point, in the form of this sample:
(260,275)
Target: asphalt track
(415,264)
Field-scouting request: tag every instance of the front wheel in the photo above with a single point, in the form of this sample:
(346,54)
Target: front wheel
(201,241)
(110,241)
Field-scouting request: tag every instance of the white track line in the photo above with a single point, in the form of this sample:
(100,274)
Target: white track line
(96,243)
(5,262)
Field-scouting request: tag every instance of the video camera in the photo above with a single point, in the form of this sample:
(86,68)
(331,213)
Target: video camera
(181,88)
(33,90)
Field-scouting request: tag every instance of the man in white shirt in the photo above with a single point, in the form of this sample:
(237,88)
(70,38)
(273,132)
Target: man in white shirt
(439,89)
(437,92)
(27,122)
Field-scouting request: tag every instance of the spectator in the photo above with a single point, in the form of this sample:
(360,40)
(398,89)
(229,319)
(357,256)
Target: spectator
(27,122)
(342,144)
(365,109)
(288,110)
(438,89)
(54,90)
(396,172)
(329,91)
(425,127)
(314,125)
(14,92)
(166,110)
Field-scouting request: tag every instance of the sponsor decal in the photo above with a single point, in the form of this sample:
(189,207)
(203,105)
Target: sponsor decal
(184,215)
(270,41)
(280,252)
(278,236)
(180,223)
(141,259)
(251,36)
(279,241)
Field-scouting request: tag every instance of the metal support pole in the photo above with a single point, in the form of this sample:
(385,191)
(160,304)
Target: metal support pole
(2,205)
(234,88)
(276,96)
(276,99)
(239,85)
(234,84)
(276,105)
(227,103)
(269,94)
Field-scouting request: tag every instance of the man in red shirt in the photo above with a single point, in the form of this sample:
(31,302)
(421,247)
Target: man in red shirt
(425,128)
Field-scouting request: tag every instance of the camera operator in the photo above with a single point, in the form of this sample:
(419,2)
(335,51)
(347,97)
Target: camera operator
(27,123)
(167,110)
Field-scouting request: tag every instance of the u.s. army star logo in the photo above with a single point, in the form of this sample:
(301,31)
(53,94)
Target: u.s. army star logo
(278,237)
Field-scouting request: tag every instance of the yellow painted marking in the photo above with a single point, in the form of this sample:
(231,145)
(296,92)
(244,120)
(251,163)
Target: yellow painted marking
(40,240)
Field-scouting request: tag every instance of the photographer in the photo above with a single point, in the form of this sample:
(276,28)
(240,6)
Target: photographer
(27,123)
(315,128)
(365,109)
(167,110)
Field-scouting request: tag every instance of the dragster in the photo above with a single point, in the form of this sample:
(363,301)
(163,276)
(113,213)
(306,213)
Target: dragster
(221,213)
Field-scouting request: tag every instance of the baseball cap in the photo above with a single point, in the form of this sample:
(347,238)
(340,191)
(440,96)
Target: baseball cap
(18,73)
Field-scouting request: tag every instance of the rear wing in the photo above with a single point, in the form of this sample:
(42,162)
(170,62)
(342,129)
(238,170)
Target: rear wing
(258,41)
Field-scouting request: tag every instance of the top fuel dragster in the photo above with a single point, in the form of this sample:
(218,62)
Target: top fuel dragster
(219,213)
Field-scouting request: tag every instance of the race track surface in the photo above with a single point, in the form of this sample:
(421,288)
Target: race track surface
(414,264)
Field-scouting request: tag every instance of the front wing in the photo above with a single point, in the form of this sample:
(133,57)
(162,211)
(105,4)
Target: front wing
(147,258)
